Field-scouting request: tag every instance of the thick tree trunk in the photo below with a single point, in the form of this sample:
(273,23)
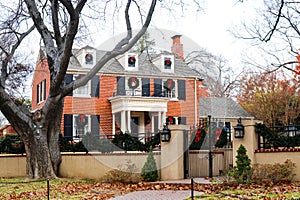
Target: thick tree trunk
(42,145)
(38,160)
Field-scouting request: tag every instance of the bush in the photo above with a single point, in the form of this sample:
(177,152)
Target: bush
(12,144)
(153,142)
(128,142)
(149,170)
(242,172)
(65,144)
(124,174)
(105,146)
(274,173)
(91,142)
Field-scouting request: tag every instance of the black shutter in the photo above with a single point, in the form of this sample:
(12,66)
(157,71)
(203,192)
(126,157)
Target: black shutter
(95,128)
(68,80)
(182,120)
(44,94)
(37,93)
(181,89)
(157,87)
(95,86)
(146,87)
(120,85)
(68,126)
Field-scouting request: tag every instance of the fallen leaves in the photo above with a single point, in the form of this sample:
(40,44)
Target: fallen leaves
(70,189)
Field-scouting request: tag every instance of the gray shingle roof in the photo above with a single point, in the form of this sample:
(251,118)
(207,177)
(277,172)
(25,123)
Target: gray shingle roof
(146,67)
(222,108)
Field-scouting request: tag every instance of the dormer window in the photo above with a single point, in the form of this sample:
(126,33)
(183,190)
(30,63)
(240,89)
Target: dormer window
(89,58)
(131,62)
(167,63)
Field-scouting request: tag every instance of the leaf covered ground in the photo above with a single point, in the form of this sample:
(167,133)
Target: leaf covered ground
(90,189)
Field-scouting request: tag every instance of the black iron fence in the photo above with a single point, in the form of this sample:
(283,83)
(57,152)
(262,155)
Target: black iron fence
(278,136)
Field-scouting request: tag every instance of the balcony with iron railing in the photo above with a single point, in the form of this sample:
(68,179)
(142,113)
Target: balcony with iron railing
(171,94)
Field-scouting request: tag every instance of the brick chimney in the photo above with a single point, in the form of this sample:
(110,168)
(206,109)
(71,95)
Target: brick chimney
(177,47)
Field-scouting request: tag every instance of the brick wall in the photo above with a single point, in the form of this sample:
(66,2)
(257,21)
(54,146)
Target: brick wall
(41,73)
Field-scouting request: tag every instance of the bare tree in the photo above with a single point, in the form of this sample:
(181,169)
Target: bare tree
(57,22)
(276,33)
(217,76)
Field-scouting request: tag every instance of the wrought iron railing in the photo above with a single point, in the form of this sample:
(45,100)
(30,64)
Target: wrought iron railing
(138,93)
(278,136)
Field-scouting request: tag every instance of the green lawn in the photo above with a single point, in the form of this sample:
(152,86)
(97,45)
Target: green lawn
(71,189)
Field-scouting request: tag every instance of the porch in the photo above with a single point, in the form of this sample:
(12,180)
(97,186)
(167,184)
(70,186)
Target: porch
(138,114)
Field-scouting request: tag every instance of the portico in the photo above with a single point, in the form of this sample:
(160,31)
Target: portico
(133,106)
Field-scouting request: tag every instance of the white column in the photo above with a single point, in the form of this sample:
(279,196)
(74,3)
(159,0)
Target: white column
(159,120)
(123,121)
(113,123)
(152,123)
(128,121)
(163,120)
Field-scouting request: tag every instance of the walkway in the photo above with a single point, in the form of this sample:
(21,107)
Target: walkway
(164,194)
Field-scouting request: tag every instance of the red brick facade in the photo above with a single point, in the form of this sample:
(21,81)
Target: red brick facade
(101,105)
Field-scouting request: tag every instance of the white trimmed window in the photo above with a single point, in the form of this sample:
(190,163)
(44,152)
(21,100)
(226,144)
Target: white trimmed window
(133,86)
(41,92)
(81,126)
(169,88)
(83,91)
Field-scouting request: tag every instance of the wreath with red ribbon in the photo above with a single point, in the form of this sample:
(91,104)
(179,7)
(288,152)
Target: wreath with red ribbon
(131,60)
(133,83)
(168,62)
(169,84)
(88,58)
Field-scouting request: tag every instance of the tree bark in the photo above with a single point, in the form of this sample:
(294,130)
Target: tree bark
(42,149)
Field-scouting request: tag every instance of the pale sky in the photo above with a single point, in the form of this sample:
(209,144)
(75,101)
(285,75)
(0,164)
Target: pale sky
(208,28)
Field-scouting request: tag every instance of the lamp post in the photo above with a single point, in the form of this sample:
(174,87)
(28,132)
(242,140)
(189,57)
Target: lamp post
(239,129)
(210,158)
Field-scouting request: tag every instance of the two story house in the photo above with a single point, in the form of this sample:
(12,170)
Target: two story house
(135,93)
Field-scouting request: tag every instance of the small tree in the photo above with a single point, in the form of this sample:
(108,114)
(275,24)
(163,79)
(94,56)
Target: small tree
(149,170)
(242,171)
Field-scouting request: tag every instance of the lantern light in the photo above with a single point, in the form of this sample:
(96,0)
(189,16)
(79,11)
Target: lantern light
(165,134)
(291,129)
(239,129)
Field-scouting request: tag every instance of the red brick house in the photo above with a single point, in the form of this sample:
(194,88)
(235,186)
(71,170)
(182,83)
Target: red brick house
(7,130)
(131,93)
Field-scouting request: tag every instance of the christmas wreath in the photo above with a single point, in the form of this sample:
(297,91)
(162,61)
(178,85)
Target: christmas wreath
(133,83)
(198,139)
(169,84)
(88,58)
(168,62)
(131,60)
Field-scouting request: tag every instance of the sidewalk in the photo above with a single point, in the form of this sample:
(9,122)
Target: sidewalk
(164,194)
